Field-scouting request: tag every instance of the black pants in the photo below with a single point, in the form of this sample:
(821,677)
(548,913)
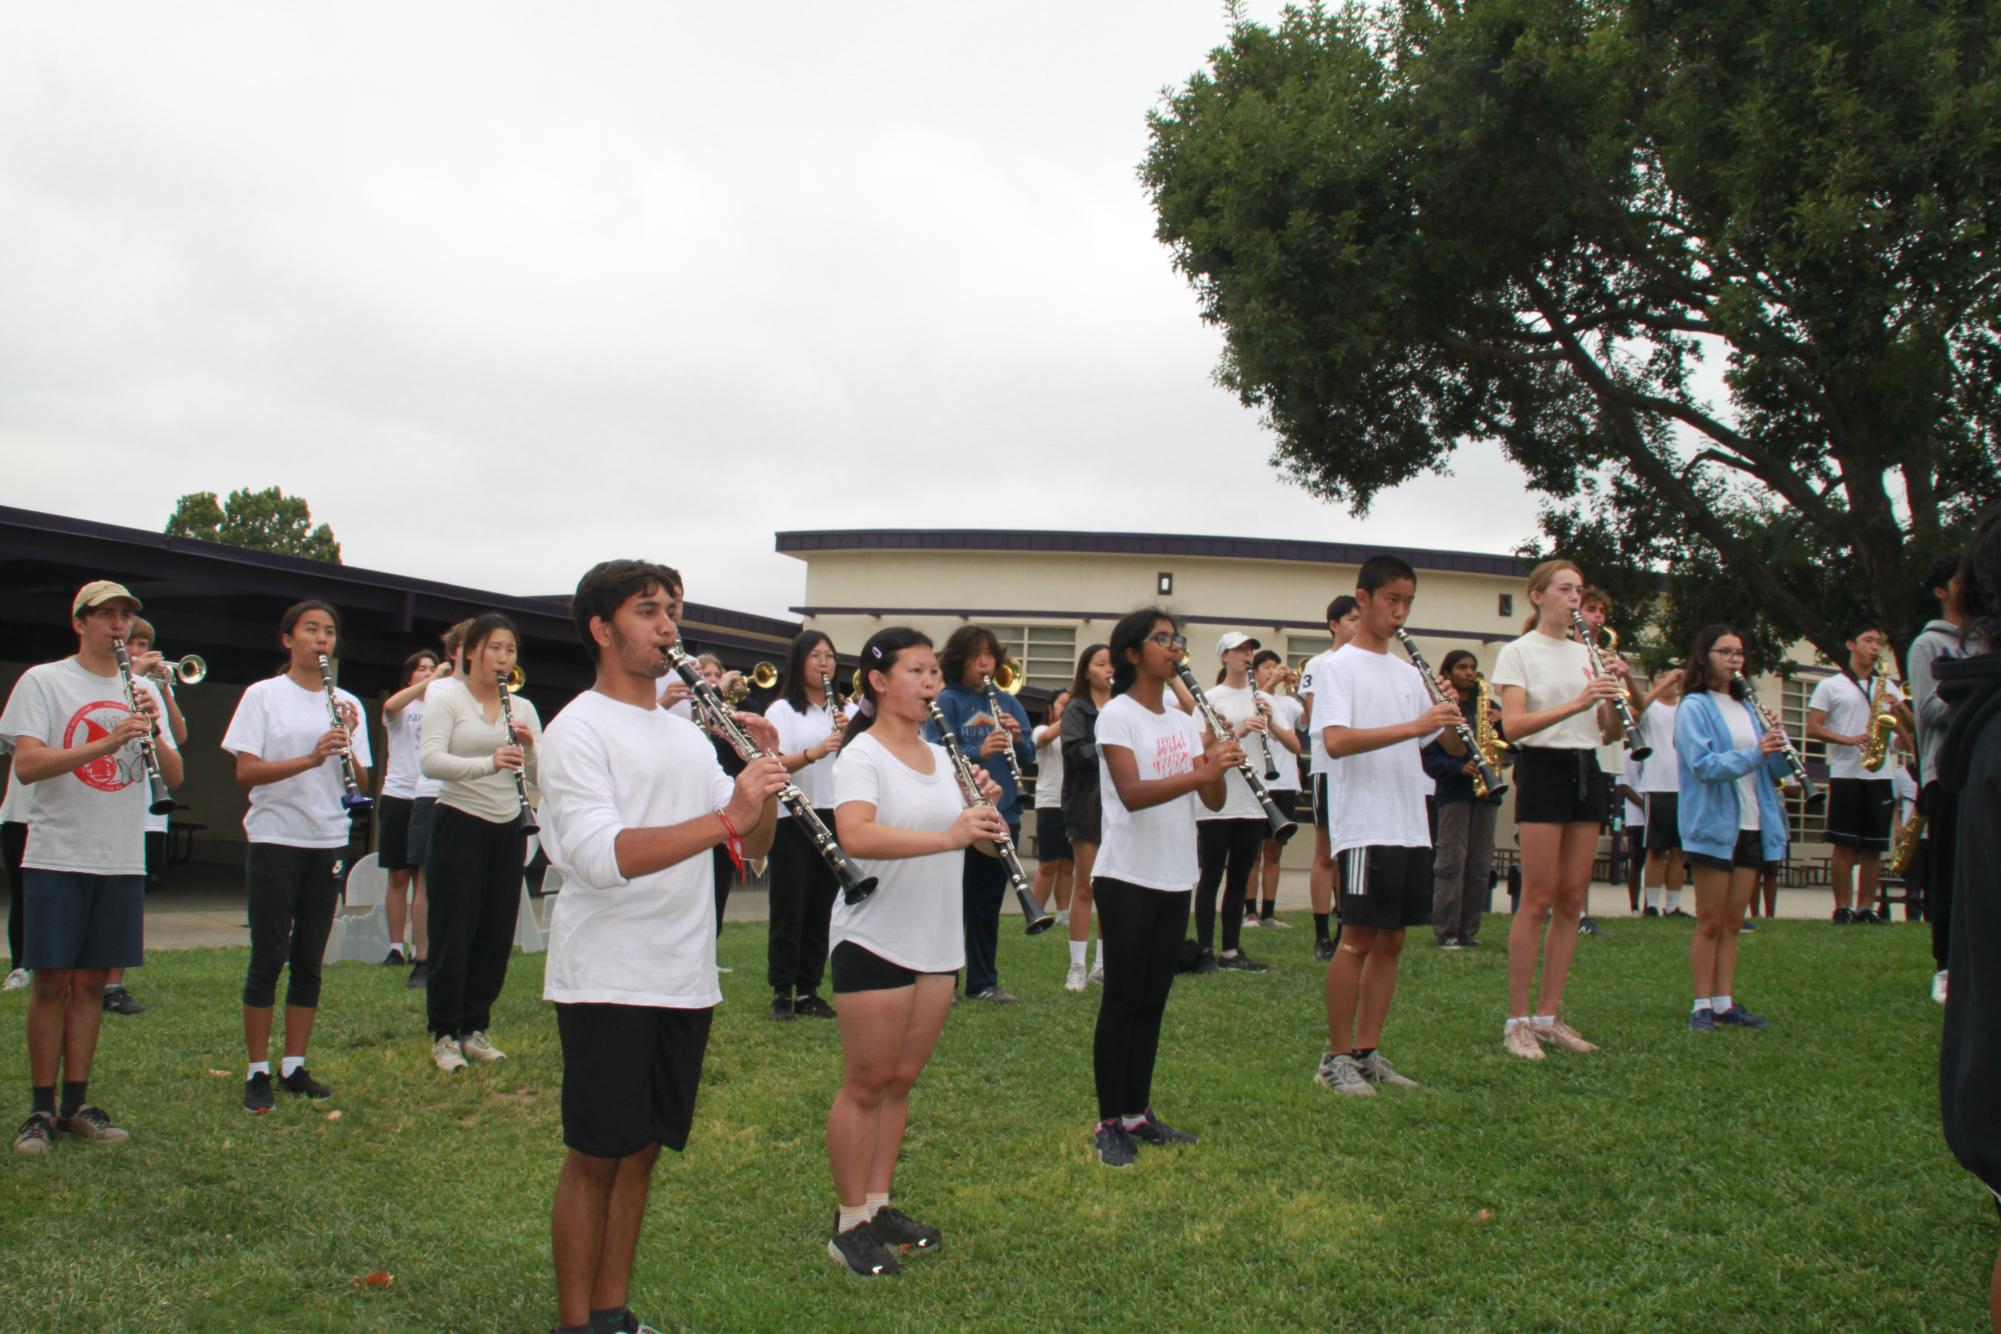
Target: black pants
(472,874)
(293,892)
(1941,814)
(725,869)
(983,889)
(802,899)
(13,847)
(1221,843)
(1141,932)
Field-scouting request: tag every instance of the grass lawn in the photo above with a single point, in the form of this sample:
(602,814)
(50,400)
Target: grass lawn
(1788,1179)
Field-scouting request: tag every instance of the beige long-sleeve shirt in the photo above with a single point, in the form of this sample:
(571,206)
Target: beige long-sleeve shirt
(457,749)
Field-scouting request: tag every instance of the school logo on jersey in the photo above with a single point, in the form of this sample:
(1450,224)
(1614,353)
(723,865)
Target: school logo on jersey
(94,722)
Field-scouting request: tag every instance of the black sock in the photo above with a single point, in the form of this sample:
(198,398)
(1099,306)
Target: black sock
(43,1098)
(1271,906)
(1320,925)
(608,1322)
(75,1092)
(1364,1053)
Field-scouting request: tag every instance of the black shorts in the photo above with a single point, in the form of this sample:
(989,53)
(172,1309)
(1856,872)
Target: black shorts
(72,920)
(1320,801)
(1083,818)
(1747,855)
(1858,813)
(1388,888)
(855,967)
(1051,844)
(405,839)
(1663,822)
(156,858)
(629,1076)
(1558,787)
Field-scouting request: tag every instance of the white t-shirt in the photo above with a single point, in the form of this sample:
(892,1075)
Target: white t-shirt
(1153,848)
(1660,772)
(1319,759)
(1285,711)
(651,940)
(1551,671)
(1234,703)
(1847,706)
(92,819)
(427,787)
(684,709)
(914,919)
(1375,799)
(1049,771)
(279,719)
(799,732)
(1743,736)
(1630,776)
(403,733)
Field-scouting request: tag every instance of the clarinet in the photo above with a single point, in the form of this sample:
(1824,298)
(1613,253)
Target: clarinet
(1486,779)
(993,702)
(528,825)
(353,799)
(162,801)
(1629,727)
(1809,793)
(1003,847)
(1281,828)
(709,703)
(1257,702)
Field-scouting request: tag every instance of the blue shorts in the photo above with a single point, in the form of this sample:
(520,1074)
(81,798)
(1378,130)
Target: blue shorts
(73,920)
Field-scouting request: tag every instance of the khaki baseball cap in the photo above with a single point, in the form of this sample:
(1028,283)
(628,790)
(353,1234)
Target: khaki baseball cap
(100,591)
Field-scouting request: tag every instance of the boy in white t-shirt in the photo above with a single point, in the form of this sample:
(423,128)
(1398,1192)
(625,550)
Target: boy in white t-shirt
(1859,799)
(1343,616)
(1374,714)
(1660,785)
(81,748)
(632,802)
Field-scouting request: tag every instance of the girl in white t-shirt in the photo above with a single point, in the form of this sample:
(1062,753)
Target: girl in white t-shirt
(1053,861)
(901,815)
(1269,671)
(803,887)
(1154,760)
(405,809)
(1555,714)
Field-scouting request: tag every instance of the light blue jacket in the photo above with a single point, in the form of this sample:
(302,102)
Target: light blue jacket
(1710,767)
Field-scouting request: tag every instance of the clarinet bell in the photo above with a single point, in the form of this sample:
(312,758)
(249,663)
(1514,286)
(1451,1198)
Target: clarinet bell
(357,802)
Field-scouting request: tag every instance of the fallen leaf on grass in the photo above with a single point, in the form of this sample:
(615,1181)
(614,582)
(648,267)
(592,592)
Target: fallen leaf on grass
(381,1278)
(333,1116)
(221,1074)
(1484,1216)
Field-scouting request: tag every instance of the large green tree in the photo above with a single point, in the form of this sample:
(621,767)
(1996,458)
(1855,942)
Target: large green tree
(1718,275)
(267,520)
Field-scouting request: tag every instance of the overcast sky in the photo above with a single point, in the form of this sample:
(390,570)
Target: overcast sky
(504,289)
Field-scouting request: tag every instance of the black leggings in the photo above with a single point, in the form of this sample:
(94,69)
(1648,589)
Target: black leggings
(1237,844)
(1140,931)
(472,877)
(802,901)
(13,847)
(293,892)
(1941,812)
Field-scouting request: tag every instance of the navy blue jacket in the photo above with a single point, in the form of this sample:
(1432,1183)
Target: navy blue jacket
(971,718)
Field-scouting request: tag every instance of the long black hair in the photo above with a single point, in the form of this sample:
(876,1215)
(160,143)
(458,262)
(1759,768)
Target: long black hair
(879,655)
(792,689)
(1980,584)
(1128,635)
(1080,684)
(410,665)
(1695,670)
(483,628)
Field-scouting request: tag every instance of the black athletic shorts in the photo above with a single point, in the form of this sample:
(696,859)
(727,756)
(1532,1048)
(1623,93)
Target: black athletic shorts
(1748,855)
(1858,813)
(854,967)
(73,920)
(1558,787)
(629,1076)
(1663,822)
(1320,801)
(1385,887)
(1051,843)
(405,839)
(156,858)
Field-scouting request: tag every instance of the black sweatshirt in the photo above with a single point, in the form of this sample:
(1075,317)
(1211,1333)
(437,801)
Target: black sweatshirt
(1969,765)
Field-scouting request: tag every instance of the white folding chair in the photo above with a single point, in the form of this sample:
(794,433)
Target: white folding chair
(361,930)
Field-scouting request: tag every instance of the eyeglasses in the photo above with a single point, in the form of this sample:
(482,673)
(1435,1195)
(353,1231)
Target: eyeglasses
(1166,640)
(1728,652)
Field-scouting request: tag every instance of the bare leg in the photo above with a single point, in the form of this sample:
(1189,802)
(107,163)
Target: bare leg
(624,1213)
(1542,849)
(1579,847)
(1379,984)
(257,1032)
(1320,881)
(1273,859)
(1084,856)
(82,1018)
(1044,887)
(396,904)
(114,977)
(1675,872)
(872,1026)
(927,1021)
(298,1028)
(1771,891)
(1344,985)
(48,1004)
(1743,882)
(576,1231)
(1063,869)
(1712,896)
(1841,876)
(1868,869)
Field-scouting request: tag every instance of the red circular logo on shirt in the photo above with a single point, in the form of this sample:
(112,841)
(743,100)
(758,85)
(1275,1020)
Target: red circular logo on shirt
(94,722)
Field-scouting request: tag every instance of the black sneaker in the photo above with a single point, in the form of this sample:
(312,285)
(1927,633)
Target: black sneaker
(395,959)
(1241,962)
(900,1232)
(257,1097)
(305,1085)
(1678,913)
(1205,963)
(1844,916)
(1868,917)
(1323,950)
(1468,943)
(810,1006)
(781,1008)
(1587,927)
(862,1252)
(1115,1146)
(37,1135)
(1651,911)
(420,975)
(1157,1132)
(119,1001)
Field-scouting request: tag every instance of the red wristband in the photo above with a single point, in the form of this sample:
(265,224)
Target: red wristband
(733,843)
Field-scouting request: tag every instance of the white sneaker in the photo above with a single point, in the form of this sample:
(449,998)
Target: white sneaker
(1098,974)
(445,1054)
(1938,986)
(1343,1075)
(1274,924)
(1062,917)
(18,979)
(1074,980)
(1519,1040)
(1250,922)
(476,1046)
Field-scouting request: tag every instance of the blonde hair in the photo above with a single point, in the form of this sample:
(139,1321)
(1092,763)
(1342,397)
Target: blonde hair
(1540,578)
(710,660)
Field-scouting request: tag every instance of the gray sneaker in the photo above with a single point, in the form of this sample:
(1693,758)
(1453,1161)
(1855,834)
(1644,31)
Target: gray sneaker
(1341,1074)
(1376,1069)
(995,996)
(1242,963)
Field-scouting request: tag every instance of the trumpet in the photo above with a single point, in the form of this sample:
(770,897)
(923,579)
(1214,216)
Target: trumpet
(508,687)
(762,677)
(1037,919)
(1010,676)
(1809,793)
(161,800)
(1486,779)
(709,703)
(993,702)
(1281,828)
(189,671)
(353,798)
(1629,726)
(514,680)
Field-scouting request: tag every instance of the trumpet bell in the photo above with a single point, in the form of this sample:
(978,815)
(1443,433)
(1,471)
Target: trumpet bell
(763,676)
(1010,677)
(516,678)
(189,671)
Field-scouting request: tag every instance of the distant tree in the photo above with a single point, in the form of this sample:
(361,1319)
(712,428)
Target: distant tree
(267,520)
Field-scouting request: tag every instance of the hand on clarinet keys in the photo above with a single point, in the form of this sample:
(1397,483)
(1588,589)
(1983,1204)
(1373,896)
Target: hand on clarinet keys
(988,788)
(523,736)
(996,742)
(1772,742)
(1440,716)
(760,781)
(1224,754)
(332,742)
(758,729)
(509,757)
(981,823)
(132,727)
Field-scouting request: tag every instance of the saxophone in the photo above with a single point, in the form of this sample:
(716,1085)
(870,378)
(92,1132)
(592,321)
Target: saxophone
(1882,718)
(1485,736)
(1906,851)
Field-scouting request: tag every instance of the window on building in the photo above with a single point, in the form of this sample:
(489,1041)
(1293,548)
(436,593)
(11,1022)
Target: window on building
(1299,649)
(1047,652)
(1807,825)
(1506,604)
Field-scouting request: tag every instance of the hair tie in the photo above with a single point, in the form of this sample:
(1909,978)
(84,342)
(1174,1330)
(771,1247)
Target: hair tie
(866,708)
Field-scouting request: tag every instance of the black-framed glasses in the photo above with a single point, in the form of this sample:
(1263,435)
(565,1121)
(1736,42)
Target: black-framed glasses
(1728,652)
(1166,640)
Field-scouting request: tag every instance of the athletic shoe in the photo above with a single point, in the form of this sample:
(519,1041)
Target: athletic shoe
(1157,1132)
(1468,943)
(304,1085)
(1449,943)
(859,1249)
(257,1097)
(93,1123)
(899,1231)
(1651,911)
(995,996)
(781,1008)
(1748,926)
(1702,1020)
(394,959)
(16,980)
(1871,917)
(1075,979)
(1323,950)
(1115,1146)
(1375,1068)
(810,1006)
(1739,1017)
(1519,1040)
(1938,986)
(1241,962)
(37,1135)
(1275,923)
(1844,916)
(118,1000)
(1343,1075)
(1250,922)
(1587,927)
(1678,913)
(477,1046)
(1062,917)
(447,1055)
(1562,1035)
(1098,973)
(1205,963)
(420,975)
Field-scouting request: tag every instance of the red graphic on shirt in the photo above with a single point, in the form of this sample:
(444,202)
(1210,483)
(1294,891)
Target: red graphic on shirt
(1171,754)
(94,722)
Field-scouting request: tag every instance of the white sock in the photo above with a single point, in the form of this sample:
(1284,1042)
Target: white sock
(1544,1021)
(1673,900)
(288,1064)
(1653,896)
(259,1068)
(1098,960)
(1701,1004)
(851,1215)
(875,1203)
(1078,948)
(1721,1004)
(1514,1021)
(1132,1123)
